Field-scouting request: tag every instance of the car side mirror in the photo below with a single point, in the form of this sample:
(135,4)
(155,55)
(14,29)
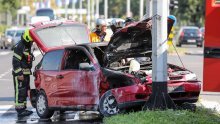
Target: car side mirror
(86,67)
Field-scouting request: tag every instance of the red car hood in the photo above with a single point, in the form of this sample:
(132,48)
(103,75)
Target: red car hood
(134,40)
(57,34)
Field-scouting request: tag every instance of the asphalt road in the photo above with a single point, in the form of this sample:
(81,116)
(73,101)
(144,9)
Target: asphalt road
(193,62)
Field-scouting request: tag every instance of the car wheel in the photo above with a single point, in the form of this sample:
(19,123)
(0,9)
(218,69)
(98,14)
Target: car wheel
(199,45)
(42,108)
(108,105)
(1,47)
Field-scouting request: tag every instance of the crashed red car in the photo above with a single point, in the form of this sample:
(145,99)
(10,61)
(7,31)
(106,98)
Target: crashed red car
(74,75)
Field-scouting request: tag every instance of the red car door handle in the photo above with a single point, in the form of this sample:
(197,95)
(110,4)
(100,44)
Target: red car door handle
(59,76)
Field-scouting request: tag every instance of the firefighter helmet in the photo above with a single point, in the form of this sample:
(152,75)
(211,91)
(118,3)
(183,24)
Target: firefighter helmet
(27,36)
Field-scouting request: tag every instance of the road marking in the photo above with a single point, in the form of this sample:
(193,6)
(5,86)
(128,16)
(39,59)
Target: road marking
(9,71)
(5,108)
(5,53)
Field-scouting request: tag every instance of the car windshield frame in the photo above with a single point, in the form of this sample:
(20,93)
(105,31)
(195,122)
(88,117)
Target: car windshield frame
(62,35)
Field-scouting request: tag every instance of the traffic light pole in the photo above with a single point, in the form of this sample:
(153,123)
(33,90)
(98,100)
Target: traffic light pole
(159,98)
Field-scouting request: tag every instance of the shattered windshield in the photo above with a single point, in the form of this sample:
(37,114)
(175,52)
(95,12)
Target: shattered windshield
(63,35)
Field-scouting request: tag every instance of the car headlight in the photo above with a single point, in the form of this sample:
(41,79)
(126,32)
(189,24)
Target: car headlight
(190,76)
(9,40)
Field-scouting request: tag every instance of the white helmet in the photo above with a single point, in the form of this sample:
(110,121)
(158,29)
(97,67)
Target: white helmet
(100,22)
(117,23)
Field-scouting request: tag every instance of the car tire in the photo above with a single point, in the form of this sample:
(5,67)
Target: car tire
(178,45)
(42,108)
(1,47)
(199,45)
(108,105)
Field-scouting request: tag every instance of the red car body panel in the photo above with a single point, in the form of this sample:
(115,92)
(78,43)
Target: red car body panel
(131,93)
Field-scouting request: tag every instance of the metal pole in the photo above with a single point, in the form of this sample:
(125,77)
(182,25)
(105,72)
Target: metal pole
(97,9)
(74,9)
(159,98)
(168,7)
(66,9)
(141,8)
(88,13)
(93,13)
(80,11)
(149,4)
(106,9)
(128,8)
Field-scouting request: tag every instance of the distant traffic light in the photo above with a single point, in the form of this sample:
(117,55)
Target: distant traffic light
(173,4)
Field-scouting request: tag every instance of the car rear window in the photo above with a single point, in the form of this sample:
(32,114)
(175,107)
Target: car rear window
(52,60)
(191,30)
(63,35)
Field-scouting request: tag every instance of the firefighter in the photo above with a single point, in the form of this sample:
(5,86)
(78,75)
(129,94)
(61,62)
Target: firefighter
(116,25)
(129,20)
(100,31)
(22,64)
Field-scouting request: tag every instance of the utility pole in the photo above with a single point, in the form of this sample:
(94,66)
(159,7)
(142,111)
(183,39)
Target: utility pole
(149,9)
(97,10)
(93,13)
(80,11)
(141,8)
(74,9)
(106,9)
(128,8)
(88,13)
(159,98)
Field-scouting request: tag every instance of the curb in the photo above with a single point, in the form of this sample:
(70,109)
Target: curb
(210,105)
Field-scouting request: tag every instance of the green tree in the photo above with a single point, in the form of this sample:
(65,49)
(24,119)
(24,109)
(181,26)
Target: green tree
(190,12)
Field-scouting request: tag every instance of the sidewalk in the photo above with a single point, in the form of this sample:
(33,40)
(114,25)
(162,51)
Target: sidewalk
(210,100)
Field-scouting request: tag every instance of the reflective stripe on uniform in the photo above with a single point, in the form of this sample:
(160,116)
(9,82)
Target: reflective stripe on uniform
(17,70)
(16,93)
(26,53)
(26,71)
(17,56)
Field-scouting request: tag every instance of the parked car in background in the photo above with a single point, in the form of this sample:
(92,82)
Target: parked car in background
(202,30)
(11,37)
(189,35)
(46,12)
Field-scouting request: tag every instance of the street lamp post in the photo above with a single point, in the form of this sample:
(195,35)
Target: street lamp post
(88,13)
(159,98)
(149,4)
(97,9)
(80,12)
(128,8)
(106,9)
(141,8)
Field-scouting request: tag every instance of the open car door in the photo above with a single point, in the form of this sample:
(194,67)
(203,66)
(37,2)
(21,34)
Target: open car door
(211,80)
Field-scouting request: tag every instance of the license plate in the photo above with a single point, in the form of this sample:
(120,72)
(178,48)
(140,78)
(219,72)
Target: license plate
(191,41)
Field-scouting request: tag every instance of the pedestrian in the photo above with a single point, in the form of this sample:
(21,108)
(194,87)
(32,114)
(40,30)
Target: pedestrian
(22,64)
(98,35)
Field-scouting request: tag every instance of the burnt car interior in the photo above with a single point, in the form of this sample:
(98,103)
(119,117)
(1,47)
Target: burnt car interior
(74,58)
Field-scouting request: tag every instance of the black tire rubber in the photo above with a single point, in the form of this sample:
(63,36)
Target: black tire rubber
(101,104)
(47,112)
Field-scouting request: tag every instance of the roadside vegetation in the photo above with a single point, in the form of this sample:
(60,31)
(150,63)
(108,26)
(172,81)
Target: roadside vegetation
(200,116)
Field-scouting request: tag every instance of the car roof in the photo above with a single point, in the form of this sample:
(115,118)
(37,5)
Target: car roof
(189,27)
